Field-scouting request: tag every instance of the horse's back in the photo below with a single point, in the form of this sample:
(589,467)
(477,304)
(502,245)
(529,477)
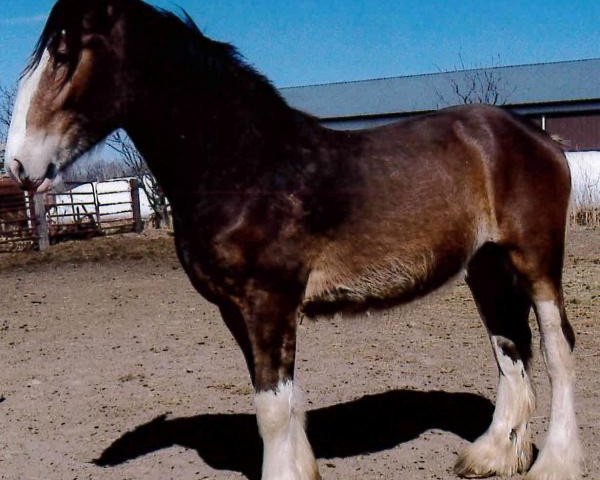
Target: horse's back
(474,168)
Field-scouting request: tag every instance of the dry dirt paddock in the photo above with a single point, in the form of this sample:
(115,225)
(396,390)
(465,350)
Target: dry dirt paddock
(114,368)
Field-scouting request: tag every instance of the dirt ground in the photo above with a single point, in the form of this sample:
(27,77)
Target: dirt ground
(114,368)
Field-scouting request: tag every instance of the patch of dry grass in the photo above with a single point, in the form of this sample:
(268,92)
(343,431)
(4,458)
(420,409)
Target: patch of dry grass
(150,245)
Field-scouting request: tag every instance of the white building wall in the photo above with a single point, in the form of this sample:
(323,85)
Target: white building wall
(585,175)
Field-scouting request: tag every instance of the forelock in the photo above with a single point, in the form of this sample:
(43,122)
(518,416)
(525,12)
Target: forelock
(65,15)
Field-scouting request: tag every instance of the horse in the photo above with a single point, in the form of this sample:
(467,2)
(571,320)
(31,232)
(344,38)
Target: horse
(276,216)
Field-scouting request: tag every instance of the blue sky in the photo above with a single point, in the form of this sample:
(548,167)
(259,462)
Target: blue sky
(319,41)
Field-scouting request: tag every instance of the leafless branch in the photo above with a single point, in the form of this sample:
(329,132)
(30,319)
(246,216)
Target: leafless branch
(7,100)
(481,85)
(132,158)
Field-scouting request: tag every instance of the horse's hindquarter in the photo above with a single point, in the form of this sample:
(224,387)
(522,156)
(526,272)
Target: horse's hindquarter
(424,208)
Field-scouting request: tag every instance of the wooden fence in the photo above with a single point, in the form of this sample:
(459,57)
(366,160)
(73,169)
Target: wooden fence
(81,211)
(17,219)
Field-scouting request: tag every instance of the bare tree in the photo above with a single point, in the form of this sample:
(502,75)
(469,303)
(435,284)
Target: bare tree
(132,158)
(477,85)
(95,169)
(7,100)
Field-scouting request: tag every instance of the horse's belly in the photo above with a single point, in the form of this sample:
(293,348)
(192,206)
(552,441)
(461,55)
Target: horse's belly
(333,286)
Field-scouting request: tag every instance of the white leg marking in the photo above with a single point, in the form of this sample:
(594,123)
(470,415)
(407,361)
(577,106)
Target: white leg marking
(287,453)
(561,457)
(505,448)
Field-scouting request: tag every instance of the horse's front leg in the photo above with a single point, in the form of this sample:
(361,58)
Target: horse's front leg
(271,324)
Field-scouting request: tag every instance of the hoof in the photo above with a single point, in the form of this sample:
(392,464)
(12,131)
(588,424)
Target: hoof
(553,466)
(490,456)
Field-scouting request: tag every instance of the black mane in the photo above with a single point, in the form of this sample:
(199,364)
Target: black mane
(65,15)
(174,41)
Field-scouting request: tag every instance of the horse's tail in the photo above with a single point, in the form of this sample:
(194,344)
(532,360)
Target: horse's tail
(562,142)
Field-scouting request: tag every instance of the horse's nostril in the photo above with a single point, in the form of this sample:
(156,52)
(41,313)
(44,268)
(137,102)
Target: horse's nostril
(51,171)
(19,170)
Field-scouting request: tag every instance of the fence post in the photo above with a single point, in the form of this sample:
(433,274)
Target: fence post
(41,223)
(134,188)
(96,205)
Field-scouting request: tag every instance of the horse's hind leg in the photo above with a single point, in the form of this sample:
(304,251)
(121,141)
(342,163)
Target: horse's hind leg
(505,448)
(561,456)
(270,320)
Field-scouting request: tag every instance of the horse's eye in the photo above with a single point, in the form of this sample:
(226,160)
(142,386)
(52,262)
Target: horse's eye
(61,57)
(61,50)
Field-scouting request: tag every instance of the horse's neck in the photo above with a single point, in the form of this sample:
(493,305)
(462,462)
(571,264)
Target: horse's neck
(222,143)
(211,119)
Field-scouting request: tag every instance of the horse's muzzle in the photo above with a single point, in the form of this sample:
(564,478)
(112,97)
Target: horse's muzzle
(17,171)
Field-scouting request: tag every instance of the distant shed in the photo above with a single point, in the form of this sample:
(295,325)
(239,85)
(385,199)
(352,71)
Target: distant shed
(563,97)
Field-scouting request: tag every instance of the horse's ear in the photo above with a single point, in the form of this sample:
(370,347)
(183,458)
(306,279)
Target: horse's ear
(113,9)
(102,18)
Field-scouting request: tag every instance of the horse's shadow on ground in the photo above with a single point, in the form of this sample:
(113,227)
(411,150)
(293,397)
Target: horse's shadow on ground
(370,424)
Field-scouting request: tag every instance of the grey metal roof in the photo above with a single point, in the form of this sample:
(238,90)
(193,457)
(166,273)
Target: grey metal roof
(546,83)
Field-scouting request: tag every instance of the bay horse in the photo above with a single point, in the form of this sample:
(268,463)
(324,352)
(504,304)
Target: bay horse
(276,216)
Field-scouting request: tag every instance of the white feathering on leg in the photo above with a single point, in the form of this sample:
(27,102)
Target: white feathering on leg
(287,452)
(505,448)
(561,457)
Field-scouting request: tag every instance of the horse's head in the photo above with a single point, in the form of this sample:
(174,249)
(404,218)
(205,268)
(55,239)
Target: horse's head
(69,97)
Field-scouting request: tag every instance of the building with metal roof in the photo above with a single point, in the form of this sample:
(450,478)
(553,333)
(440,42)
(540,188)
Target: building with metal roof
(563,97)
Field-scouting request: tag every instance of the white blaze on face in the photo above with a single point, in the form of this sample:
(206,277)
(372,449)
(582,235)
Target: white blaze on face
(18,125)
(34,149)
